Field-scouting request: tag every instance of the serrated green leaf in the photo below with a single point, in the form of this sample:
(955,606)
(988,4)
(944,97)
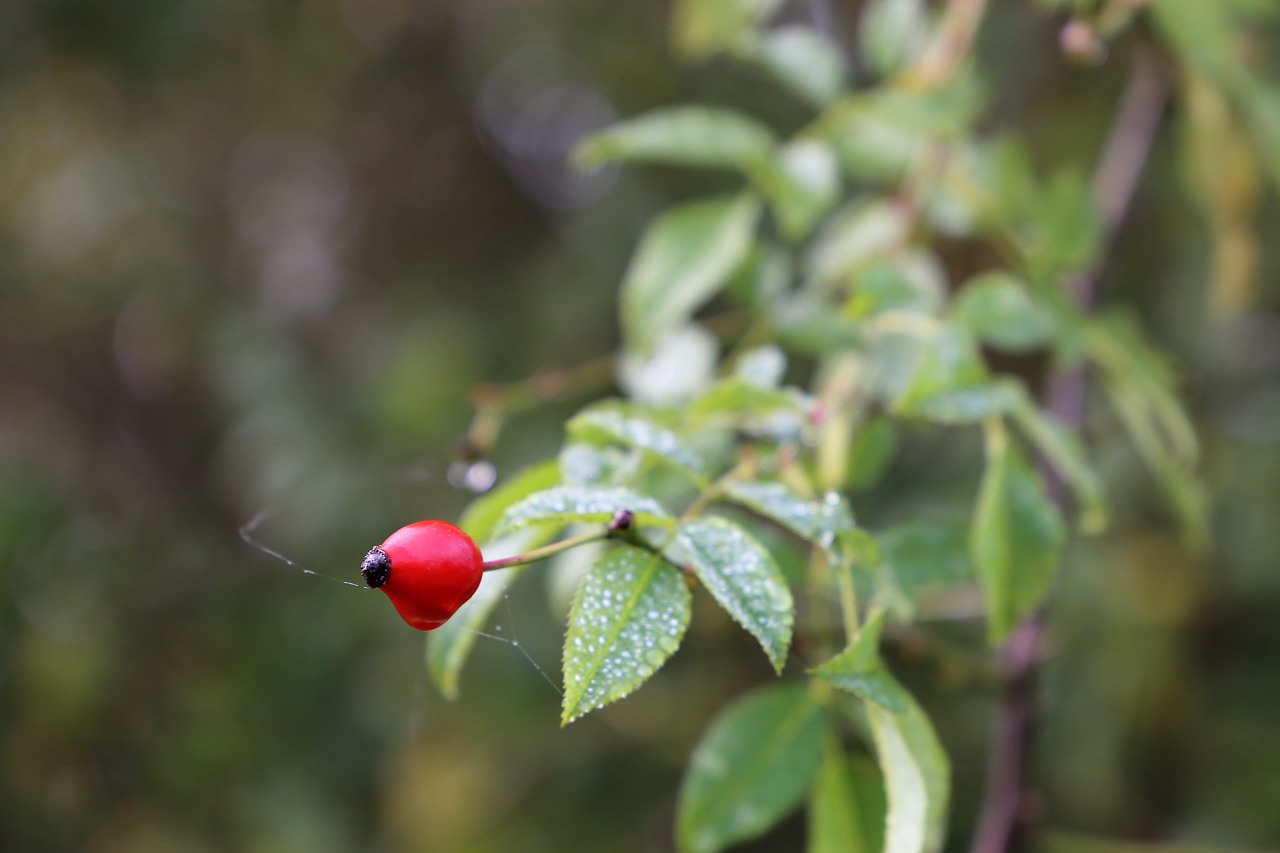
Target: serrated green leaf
(708,137)
(702,28)
(801,60)
(842,817)
(449,646)
(818,521)
(604,424)
(685,256)
(628,617)
(743,577)
(892,33)
(481,517)
(752,767)
(1060,446)
(802,183)
(999,310)
(561,505)
(1017,535)
(917,778)
(859,669)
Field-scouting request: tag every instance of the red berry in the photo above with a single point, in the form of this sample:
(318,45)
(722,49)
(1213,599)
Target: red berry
(428,569)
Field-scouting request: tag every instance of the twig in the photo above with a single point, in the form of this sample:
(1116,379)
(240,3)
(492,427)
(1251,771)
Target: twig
(1005,812)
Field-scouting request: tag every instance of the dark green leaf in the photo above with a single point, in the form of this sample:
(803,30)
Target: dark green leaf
(744,579)
(874,445)
(752,767)
(927,552)
(1062,449)
(1017,535)
(859,669)
(627,619)
(684,258)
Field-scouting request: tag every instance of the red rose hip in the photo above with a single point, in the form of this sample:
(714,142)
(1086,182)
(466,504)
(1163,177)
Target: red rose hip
(428,569)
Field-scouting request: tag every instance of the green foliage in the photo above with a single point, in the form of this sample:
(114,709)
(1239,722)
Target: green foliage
(834,249)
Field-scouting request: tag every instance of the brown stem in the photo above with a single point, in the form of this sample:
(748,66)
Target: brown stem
(1006,804)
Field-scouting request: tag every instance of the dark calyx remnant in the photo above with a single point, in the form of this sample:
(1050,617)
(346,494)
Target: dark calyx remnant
(376,567)
(621,521)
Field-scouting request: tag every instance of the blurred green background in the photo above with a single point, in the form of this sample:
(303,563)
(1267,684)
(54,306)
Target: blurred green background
(254,256)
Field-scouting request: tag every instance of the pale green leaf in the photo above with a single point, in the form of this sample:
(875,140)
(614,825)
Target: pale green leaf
(603,424)
(481,517)
(561,505)
(917,778)
(859,670)
(449,646)
(892,33)
(861,233)
(911,280)
(999,310)
(684,258)
(708,137)
(1017,536)
(742,576)
(628,617)
(1060,446)
(843,816)
(701,28)
(802,183)
(801,60)
(752,767)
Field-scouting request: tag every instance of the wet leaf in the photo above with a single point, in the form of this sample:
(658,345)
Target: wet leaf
(603,424)
(818,521)
(561,505)
(753,766)
(628,617)
(743,577)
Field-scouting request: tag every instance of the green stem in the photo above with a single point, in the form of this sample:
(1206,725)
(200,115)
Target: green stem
(548,550)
